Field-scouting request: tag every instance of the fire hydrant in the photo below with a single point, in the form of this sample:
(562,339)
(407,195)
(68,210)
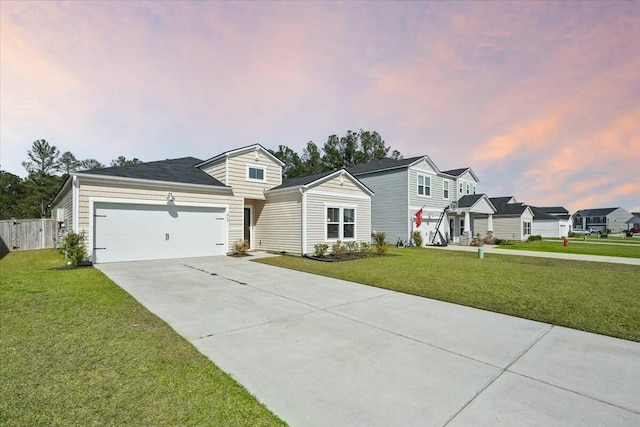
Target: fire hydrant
(566,241)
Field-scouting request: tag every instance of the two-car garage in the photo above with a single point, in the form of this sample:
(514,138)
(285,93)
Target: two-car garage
(139,231)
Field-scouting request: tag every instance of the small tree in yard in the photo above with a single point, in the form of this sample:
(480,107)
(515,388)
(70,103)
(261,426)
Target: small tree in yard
(417,239)
(73,248)
(381,243)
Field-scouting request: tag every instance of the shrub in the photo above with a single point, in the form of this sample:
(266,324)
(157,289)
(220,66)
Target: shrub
(240,247)
(365,249)
(417,239)
(476,242)
(320,250)
(502,242)
(489,240)
(338,250)
(352,247)
(73,248)
(534,238)
(381,244)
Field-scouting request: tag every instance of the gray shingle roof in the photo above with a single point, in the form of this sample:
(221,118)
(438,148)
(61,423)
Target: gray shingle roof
(308,179)
(503,207)
(302,180)
(173,170)
(557,212)
(385,163)
(456,172)
(540,215)
(595,212)
(469,200)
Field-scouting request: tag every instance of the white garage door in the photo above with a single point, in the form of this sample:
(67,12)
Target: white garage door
(131,232)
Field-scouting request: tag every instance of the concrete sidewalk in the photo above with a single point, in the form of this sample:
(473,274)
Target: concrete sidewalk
(489,249)
(319,351)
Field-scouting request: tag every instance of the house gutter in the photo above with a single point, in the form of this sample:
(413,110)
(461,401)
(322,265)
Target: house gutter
(155,183)
(303,220)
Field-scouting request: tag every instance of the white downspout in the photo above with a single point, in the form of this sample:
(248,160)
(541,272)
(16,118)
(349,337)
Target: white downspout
(75,192)
(303,191)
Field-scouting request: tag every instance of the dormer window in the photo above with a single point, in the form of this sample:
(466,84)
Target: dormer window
(256,173)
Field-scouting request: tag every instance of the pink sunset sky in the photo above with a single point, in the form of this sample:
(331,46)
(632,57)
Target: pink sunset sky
(541,99)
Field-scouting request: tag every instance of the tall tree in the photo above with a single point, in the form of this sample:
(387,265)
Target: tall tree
(11,192)
(311,160)
(43,158)
(67,163)
(89,164)
(291,159)
(123,161)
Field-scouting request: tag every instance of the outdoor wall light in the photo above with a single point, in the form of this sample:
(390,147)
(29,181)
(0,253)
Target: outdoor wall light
(170,197)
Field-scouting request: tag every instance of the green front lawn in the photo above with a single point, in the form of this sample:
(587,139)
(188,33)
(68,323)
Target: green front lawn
(578,247)
(75,349)
(596,297)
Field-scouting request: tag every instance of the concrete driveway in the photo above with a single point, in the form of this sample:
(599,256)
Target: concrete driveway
(319,351)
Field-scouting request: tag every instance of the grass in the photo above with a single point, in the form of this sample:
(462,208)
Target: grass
(595,297)
(75,349)
(578,247)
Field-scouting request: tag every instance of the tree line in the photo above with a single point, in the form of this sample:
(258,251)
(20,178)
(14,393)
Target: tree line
(353,149)
(48,169)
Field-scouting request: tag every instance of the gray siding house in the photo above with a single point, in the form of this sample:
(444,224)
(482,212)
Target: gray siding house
(614,219)
(402,188)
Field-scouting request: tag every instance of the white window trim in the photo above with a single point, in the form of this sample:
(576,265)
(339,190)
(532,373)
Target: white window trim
(418,175)
(341,223)
(448,189)
(253,166)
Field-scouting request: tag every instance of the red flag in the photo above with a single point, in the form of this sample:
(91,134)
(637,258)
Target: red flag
(419,218)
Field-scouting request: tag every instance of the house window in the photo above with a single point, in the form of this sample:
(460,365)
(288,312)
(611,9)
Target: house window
(445,189)
(468,189)
(526,227)
(474,189)
(461,226)
(256,173)
(341,223)
(461,186)
(424,185)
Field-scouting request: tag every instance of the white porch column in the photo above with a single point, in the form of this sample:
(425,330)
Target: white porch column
(467,222)
(490,224)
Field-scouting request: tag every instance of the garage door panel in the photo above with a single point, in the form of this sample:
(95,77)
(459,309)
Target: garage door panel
(128,232)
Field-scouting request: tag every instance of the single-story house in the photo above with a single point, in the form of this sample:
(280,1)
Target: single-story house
(511,221)
(550,221)
(187,207)
(600,219)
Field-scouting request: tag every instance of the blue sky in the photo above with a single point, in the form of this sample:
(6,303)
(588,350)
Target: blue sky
(541,99)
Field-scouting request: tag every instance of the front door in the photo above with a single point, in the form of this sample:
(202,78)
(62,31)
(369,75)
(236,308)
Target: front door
(247,225)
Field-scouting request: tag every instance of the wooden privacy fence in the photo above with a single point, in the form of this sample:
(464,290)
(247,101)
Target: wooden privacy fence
(27,234)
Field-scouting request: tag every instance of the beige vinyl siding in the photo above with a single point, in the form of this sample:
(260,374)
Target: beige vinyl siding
(65,203)
(333,185)
(217,170)
(278,225)
(89,189)
(238,175)
(316,217)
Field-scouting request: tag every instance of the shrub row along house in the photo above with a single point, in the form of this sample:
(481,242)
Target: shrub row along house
(189,207)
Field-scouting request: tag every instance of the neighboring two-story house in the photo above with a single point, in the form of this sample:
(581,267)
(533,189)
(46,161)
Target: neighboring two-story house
(404,187)
(600,219)
(188,207)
